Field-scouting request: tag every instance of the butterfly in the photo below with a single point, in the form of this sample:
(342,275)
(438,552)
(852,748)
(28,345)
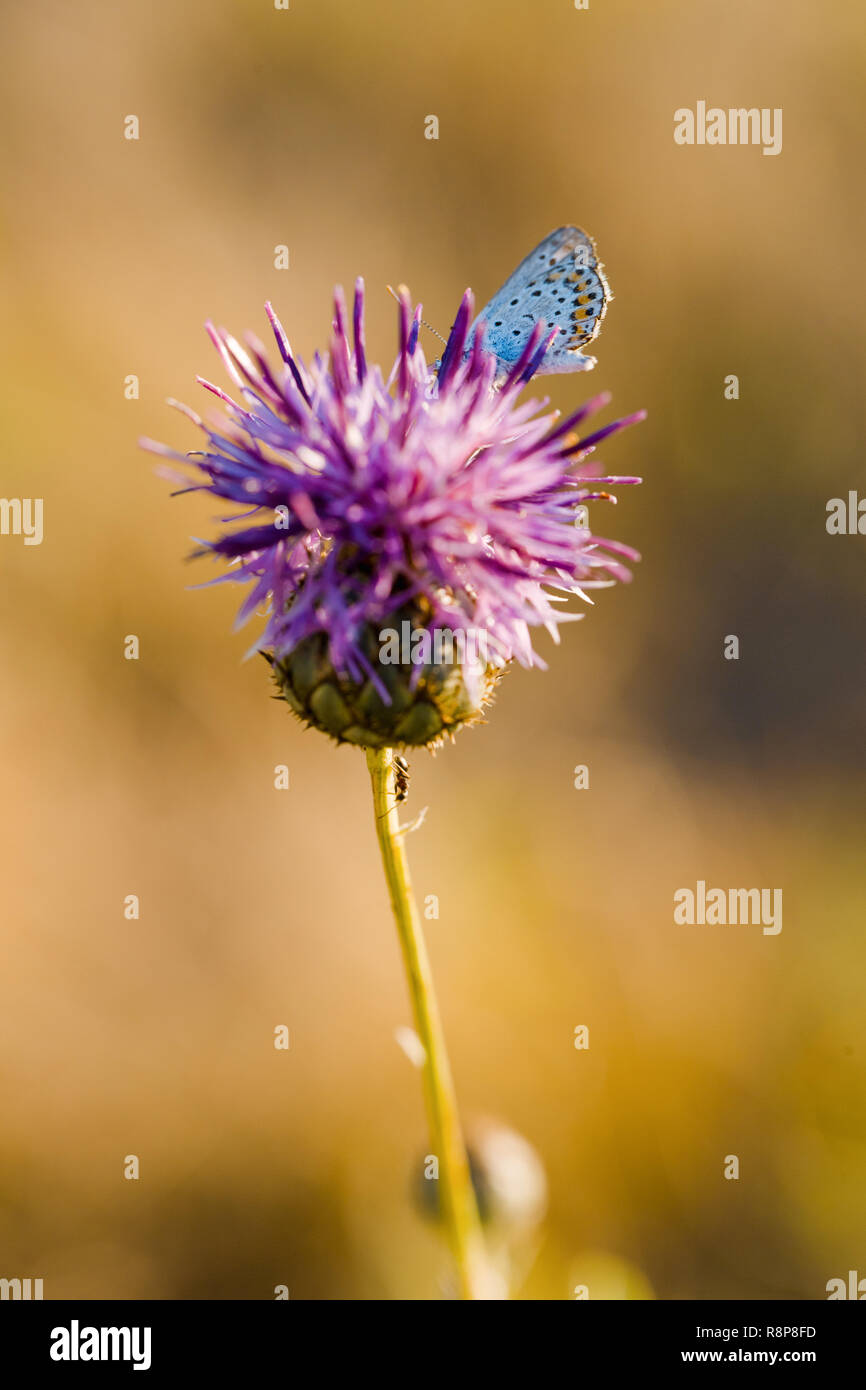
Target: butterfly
(561,282)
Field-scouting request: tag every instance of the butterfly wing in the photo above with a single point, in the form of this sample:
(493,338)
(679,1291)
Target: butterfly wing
(561,282)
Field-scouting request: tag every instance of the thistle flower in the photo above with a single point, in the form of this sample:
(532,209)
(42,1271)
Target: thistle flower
(432,503)
(383,516)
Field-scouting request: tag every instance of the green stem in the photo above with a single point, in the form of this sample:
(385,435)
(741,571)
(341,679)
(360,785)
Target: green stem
(455,1187)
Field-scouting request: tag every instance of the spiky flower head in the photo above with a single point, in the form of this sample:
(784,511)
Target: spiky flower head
(383,516)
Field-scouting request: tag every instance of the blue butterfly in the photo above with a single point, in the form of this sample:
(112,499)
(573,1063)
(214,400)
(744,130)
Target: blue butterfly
(561,282)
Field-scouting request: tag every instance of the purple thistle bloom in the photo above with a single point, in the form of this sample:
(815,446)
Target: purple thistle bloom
(363,494)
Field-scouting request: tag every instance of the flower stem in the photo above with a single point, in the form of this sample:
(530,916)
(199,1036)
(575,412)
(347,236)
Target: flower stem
(457,1195)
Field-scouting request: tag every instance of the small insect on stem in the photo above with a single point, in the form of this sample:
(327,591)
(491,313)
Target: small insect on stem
(401,778)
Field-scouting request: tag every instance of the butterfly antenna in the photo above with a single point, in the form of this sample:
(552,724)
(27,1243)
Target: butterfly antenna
(427,325)
(435,332)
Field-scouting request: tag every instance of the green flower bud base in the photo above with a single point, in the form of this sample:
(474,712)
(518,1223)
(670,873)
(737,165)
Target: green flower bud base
(444,698)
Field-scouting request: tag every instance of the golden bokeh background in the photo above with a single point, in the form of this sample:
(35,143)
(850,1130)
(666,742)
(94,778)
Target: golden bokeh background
(155,1037)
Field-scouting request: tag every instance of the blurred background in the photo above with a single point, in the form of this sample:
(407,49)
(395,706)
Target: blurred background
(156,777)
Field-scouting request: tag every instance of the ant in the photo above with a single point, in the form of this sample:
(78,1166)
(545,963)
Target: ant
(401,778)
